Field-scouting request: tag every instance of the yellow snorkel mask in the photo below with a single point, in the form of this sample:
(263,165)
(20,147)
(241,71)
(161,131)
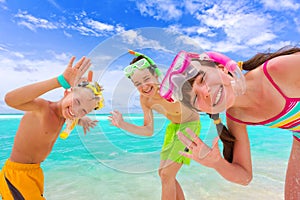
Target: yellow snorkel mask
(96,89)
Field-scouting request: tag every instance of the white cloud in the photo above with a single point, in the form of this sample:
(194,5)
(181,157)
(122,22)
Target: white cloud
(238,25)
(297,22)
(194,6)
(199,30)
(84,25)
(67,34)
(22,71)
(133,37)
(2,48)
(260,39)
(52,2)
(274,46)
(90,27)
(83,30)
(60,56)
(160,9)
(11,53)
(99,26)
(189,41)
(32,22)
(17,54)
(281,5)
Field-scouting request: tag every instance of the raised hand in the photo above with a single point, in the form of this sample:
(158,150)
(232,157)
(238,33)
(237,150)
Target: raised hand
(116,118)
(200,152)
(87,123)
(73,74)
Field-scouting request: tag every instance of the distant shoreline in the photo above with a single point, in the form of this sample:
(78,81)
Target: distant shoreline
(98,114)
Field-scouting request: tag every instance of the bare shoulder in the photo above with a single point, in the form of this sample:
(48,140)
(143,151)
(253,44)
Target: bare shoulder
(144,101)
(286,66)
(42,104)
(285,71)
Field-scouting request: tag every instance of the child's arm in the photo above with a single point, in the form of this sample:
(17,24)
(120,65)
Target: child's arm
(87,123)
(239,171)
(145,130)
(26,98)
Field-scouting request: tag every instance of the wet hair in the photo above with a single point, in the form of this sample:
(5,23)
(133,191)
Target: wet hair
(226,137)
(260,58)
(151,68)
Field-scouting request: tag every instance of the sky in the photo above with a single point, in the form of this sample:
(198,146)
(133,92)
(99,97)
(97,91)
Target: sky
(38,37)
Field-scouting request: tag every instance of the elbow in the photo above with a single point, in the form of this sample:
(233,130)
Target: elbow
(247,180)
(8,100)
(148,133)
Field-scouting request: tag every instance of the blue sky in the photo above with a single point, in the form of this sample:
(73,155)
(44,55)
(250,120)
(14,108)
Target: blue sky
(38,37)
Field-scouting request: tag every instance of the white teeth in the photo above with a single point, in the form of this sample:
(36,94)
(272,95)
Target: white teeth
(71,113)
(218,97)
(149,89)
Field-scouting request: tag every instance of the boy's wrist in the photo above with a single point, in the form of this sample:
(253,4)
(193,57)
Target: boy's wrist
(63,82)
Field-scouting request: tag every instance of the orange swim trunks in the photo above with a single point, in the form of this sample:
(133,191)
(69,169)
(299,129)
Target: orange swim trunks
(21,181)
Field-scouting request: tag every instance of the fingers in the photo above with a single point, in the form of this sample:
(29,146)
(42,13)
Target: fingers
(215,142)
(117,112)
(85,65)
(194,137)
(82,65)
(185,140)
(79,63)
(71,62)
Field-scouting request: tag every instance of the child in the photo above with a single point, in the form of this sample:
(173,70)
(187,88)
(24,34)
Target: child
(268,94)
(22,177)
(144,74)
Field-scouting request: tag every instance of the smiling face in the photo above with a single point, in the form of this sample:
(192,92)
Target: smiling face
(79,102)
(145,82)
(212,91)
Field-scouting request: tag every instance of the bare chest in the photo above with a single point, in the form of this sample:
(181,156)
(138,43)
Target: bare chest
(166,108)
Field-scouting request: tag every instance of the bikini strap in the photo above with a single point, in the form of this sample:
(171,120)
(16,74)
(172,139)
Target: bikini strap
(237,120)
(271,80)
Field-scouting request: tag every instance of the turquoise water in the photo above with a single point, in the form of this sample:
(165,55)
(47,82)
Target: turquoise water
(109,163)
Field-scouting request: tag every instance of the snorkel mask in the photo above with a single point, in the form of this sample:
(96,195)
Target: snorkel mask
(97,91)
(182,70)
(144,63)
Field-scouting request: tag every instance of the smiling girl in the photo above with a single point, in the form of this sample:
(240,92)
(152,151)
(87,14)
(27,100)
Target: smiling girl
(268,94)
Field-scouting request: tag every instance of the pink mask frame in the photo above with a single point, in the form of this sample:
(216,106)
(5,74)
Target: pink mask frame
(181,70)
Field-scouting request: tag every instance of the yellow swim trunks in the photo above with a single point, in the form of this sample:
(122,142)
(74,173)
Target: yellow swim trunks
(172,145)
(21,181)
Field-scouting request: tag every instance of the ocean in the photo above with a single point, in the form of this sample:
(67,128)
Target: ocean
(111,164)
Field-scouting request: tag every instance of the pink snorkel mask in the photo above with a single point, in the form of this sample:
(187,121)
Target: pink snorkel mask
(182,70)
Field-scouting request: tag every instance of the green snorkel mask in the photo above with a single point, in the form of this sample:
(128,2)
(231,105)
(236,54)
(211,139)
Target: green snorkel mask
(144,63)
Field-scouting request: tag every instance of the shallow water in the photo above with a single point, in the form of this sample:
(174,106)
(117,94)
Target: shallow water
(109,163)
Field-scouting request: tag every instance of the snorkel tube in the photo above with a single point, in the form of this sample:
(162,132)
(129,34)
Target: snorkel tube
(239,82)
